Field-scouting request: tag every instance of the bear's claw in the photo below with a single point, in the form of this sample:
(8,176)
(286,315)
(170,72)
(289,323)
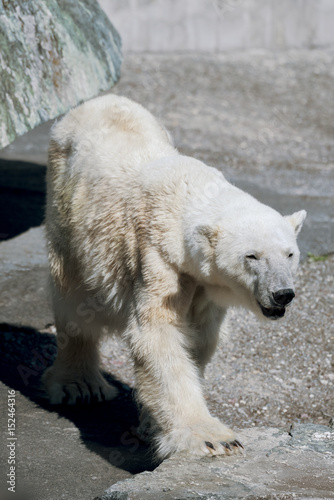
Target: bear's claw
(237,444)
(210,445)
(226,445)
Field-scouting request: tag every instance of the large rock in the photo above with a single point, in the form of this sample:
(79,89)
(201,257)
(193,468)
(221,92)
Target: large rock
(278,465)
(54,54)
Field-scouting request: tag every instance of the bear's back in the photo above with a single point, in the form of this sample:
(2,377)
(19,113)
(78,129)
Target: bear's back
(108,132)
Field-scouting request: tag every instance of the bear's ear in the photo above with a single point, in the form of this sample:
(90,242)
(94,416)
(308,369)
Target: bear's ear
(296,220)
(208,233)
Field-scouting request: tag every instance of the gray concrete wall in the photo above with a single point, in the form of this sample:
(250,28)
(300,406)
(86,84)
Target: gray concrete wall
(221,25)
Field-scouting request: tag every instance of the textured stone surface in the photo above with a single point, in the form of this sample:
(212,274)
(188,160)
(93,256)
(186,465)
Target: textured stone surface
(24,297)
(278,465)
(54,54)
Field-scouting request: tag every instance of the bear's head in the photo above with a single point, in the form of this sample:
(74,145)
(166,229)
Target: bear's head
(248,258)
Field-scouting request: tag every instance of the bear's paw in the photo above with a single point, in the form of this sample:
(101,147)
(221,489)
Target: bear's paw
(207,438)
(71,388)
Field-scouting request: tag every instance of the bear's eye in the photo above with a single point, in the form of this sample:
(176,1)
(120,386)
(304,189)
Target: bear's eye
(252,256)
(290,255)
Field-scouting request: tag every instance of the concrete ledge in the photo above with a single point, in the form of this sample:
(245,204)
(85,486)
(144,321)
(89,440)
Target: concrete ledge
(278,465)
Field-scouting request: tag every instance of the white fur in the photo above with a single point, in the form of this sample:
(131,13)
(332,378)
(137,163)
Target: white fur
(154,246)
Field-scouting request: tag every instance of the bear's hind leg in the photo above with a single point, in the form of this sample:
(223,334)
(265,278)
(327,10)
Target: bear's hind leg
(75,375)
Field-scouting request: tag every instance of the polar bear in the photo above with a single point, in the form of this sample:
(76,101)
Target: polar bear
(154,246)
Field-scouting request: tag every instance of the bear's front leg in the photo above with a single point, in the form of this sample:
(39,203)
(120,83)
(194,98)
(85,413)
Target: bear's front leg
(169,389)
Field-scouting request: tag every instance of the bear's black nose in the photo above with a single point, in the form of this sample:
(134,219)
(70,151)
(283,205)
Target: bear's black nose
(283,297)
